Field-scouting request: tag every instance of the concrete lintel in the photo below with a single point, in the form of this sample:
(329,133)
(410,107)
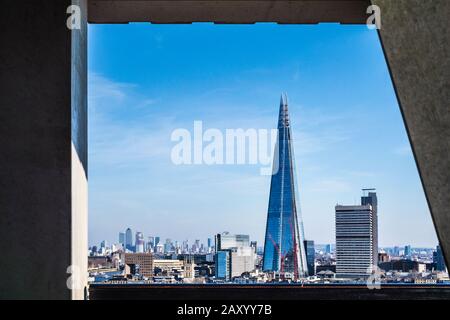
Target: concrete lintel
(228,11)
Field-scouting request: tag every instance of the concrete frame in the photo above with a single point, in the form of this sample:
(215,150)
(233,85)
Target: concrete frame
(43,115)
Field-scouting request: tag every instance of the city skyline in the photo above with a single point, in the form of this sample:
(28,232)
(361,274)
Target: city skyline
(347,138)
(399,250)
(400,246)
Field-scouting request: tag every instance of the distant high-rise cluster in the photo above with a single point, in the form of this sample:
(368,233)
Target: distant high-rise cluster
(154,245)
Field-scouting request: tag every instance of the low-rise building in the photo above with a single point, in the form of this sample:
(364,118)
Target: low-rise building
(141,263)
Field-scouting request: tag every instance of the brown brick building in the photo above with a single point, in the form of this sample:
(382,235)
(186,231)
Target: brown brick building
(144,260)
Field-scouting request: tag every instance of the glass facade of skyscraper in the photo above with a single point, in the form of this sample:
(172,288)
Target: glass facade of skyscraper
(407,252)
(283,247)
(310,256)
(129,240)
(122,238)
(222,265)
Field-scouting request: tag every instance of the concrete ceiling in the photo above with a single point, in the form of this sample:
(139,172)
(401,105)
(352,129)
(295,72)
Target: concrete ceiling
(228,11)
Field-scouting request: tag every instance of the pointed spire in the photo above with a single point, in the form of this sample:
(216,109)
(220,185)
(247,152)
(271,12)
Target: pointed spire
(284,99)
(283,119)
(284,251)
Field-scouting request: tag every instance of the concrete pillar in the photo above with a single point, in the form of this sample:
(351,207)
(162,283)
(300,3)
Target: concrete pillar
(415,36)
(43,158)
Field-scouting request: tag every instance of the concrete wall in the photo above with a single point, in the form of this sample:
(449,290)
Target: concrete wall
(43,202)
(415,35)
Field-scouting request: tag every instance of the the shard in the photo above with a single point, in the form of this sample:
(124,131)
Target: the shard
(283,247)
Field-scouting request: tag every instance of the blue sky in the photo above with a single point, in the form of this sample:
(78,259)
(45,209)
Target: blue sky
(147,80)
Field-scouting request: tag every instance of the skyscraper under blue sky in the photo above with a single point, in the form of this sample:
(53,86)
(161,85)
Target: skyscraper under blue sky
(283,247)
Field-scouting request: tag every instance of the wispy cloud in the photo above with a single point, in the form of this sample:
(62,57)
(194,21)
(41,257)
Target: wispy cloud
(104,88)
(116,138)
(310,142)
(107,96)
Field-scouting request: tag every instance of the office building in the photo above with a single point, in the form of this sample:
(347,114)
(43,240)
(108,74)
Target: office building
(396,251)
(254,245)
(150,244)
(122,238)
(139,263)
(168,266)
(355,234)
(225,240)
(210,247)
(438,259)
(242,260)
(129,240)
(139,243)
(159,248)
(407,252)
(236,251)
(223,265)
(283,246)
(168,246)
(371,198)
(310,256)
